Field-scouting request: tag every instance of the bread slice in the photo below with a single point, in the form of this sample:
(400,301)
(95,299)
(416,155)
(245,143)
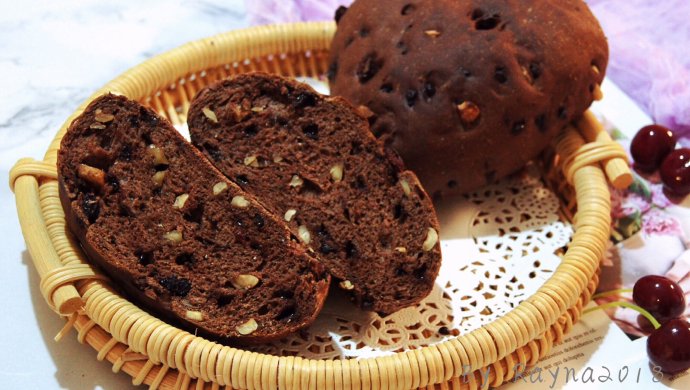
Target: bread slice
(313,160)
(173,232)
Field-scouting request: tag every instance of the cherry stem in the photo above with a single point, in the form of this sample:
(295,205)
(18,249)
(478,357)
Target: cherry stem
(628,305)
(612,292)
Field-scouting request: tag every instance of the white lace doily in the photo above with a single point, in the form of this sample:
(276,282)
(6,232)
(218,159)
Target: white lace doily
(499,246)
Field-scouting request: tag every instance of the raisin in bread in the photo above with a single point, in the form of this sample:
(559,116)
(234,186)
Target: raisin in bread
(178,236)
(467,91)
(313,160)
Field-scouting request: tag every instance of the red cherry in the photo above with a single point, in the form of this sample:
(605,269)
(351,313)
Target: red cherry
(650,145)
(675,172)
(669,346)
(660,296)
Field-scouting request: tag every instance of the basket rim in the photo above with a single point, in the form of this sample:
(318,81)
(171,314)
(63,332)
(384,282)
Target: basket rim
(557,300)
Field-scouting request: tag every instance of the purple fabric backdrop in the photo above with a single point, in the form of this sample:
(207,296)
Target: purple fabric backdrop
(649,43)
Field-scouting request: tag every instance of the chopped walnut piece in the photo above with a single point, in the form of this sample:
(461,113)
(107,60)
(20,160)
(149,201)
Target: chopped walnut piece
(245,282)
(93,176)
(431,239)
(210,114)
(290,214)
(296,181)
(219,187)
(173,236)
(597,94)
(251,161)
(240,201)
(337,173)
(469,112)
(158,155)
(104,118)
(180,201)
(406,187)
(346,285)
(158,178)
(304,234)
(194,315)
(248,327)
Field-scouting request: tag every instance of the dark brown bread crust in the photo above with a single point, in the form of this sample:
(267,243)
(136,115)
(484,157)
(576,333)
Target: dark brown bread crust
(523,69)
(207,255)
(366,218)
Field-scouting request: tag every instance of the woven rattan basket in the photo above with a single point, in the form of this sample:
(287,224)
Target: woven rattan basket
(162,356)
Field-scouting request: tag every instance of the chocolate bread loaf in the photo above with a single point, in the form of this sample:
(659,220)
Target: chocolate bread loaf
(313,160)
(173,232)
(467,91)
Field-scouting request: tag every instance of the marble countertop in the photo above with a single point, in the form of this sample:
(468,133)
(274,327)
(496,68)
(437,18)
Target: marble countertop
(53,55)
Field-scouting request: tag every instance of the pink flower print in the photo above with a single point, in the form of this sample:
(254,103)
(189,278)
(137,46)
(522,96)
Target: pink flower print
(657,222)
(659,199)
(627,203)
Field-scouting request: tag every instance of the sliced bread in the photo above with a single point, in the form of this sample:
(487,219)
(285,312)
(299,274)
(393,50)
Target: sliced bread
(175,234)
(312,160)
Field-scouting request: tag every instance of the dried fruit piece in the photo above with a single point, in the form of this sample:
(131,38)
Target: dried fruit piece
(339,13)
(431,239)
(93,176)
(91,207)
(368,67)
(179,287)
(248,327)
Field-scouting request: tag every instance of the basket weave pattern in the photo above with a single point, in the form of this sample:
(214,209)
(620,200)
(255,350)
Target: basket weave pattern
(163,356)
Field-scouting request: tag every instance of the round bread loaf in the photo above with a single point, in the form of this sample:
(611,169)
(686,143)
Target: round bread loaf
(465,91)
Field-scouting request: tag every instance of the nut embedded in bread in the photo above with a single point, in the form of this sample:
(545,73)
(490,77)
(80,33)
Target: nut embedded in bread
(313,160)
(175,234)
(468,91)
